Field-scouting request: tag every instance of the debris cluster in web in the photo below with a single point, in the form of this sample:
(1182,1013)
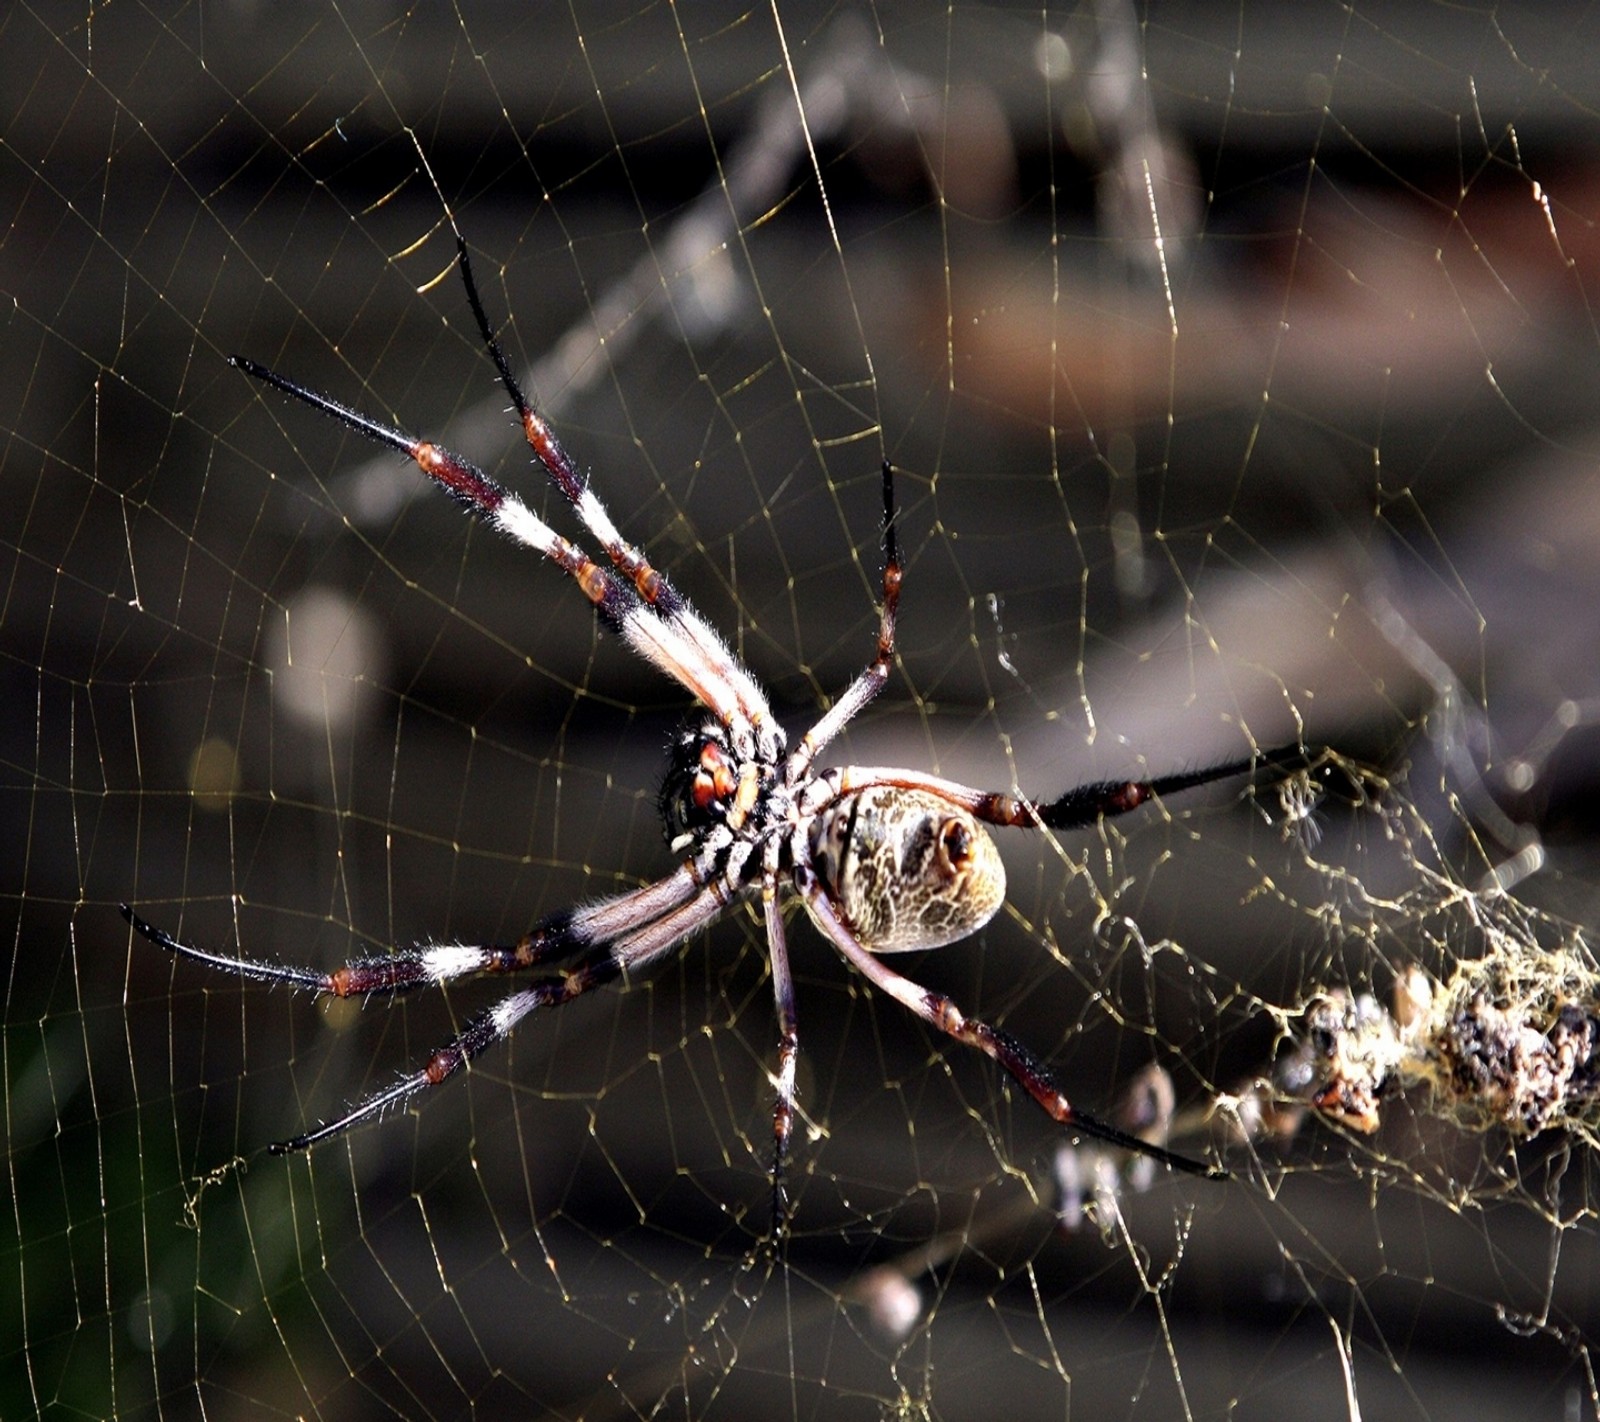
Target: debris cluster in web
(1511,1041)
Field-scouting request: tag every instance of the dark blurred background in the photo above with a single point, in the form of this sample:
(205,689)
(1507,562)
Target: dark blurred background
(1241,371)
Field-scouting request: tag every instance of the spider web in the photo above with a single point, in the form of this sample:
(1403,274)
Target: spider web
(1241,370)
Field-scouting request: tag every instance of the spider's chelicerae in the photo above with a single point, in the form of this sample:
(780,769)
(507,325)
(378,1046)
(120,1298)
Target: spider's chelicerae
(885,859)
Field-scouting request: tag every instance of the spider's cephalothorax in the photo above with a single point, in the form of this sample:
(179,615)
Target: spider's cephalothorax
(884,859)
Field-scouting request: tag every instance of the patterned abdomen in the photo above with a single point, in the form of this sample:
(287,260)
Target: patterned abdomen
(906,869)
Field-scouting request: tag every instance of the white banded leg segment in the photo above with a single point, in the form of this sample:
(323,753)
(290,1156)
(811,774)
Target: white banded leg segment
(435,963)
(427,965)
(680,644)
(657,591)
(669,644)
(558,937)
(681,647)
(494,1023)
(676,644)
(650,585)
(720,681)
(469,485)
(484,1030)
(642,946)
(693,653)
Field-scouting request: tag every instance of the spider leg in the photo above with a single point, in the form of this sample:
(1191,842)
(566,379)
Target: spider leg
(604,964)
(1085,804)
(397,972)
(653,586)
(240,967)
(676,645)
(788,1045)
(870,682)
(1082,805)
(559,936)
(939,1011)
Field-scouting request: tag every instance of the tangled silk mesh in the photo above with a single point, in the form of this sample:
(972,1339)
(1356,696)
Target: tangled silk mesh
(1494,1022)
(1240,371)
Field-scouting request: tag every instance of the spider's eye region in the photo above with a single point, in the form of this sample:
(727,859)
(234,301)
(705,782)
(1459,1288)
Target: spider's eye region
(701,781)
(715,780)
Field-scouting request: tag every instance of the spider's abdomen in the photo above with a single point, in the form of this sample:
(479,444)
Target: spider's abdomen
(906,869)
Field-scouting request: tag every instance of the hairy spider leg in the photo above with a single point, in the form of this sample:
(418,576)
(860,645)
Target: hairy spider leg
(1084,804)
(658,593)
(654,587)
(869,683)
(788,1045)
(849,704)
(939,1011)
(602,963)
(666,644)
(559,936)
(251,968)
(1077,808)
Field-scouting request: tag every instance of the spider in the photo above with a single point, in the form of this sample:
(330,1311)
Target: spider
(886,860)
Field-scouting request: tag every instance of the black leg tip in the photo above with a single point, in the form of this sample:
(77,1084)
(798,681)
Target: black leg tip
(148,930)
